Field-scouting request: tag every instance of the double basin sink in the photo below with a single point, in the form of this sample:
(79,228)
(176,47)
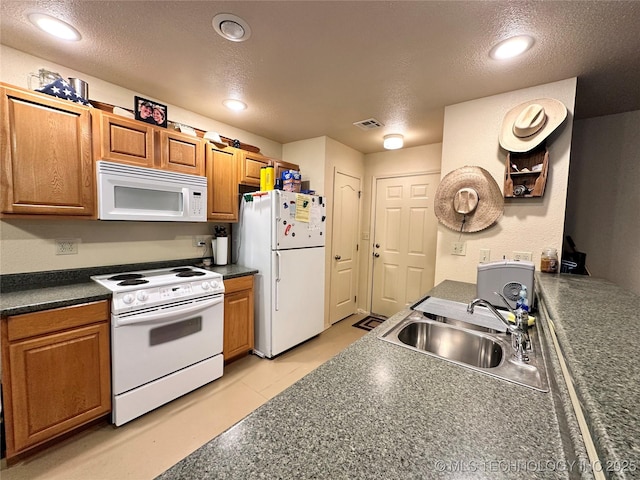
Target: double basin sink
(465,339)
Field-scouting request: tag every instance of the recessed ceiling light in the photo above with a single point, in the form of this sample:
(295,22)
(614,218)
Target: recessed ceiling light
(55,27)
(231,27)
(236,105)
(393,141)
(511,47)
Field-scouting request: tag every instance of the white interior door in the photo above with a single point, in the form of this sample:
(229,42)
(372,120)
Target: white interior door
(344,246)
(404,243)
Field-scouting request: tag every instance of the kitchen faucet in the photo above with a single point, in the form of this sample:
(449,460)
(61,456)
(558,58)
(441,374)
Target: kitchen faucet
(519,335)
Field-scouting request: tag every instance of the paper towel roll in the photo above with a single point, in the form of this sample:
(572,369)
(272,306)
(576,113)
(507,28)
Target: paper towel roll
(213,249)
(222,244)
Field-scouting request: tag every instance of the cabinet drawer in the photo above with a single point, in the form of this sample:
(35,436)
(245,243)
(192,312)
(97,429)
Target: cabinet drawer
(237,284)
(49,321)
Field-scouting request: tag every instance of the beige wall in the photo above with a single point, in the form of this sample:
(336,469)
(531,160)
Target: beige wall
(318,158)
(471,138)
(423,159)
(29,245)
(604,196)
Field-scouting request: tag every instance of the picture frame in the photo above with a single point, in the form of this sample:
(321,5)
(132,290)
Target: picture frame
(149,111)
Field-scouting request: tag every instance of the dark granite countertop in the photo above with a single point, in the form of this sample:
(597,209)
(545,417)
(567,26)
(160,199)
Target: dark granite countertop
(32,292)
(597,325)
(377,410)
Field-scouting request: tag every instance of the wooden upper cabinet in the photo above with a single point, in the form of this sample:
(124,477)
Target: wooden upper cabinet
(121,140)
(250,165)
(222,182)
(181,153)
(46,155)
(279,166)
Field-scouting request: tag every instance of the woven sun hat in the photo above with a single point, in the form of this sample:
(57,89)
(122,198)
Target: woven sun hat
(468,200)
(526,126)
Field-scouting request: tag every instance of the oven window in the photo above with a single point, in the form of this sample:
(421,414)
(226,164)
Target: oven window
(169,333)
(130,198)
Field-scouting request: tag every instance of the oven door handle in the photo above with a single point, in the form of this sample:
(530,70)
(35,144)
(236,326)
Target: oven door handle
(155,316)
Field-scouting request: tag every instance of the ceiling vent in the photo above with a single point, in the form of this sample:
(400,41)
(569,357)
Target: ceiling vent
(369,124)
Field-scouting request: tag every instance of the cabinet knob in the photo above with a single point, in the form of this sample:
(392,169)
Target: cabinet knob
(337,257)
(377,245)
(376,255)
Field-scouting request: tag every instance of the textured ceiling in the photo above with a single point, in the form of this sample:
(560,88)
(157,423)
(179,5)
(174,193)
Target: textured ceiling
(313,68)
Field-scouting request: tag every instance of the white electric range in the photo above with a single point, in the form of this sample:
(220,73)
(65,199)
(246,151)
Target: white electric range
(166,336)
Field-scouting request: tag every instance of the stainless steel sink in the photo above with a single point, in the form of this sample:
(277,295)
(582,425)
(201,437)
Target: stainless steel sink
(481,349)
(455,344)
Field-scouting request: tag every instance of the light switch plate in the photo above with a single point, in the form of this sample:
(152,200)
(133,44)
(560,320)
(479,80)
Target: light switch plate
(485,255)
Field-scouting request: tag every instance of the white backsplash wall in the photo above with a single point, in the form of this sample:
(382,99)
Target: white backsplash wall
(29,245)
(529,224)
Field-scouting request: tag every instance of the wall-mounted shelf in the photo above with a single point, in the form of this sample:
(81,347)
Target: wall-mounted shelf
(526,173)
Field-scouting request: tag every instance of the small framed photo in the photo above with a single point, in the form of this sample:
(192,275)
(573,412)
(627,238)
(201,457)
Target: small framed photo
(150,112)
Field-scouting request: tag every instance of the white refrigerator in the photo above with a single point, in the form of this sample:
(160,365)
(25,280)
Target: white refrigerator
(282,234)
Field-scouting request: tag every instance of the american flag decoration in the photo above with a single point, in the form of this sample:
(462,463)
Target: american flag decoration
(63,89)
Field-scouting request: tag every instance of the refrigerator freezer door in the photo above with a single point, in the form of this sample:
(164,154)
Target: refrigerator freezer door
(299,220)
(297,306)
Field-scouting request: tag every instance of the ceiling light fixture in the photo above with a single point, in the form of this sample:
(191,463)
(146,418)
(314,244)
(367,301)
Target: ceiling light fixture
(393,141)
(235,105)
(511,47)
(231,27)
(55,27)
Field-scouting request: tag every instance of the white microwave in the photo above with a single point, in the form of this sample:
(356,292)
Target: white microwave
(126,192)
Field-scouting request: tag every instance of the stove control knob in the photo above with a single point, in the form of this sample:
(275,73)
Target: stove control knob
(128,298)
(142,296)
(205,286)
(215,284)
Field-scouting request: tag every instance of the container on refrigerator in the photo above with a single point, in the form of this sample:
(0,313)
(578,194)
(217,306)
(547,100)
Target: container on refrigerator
(282,234)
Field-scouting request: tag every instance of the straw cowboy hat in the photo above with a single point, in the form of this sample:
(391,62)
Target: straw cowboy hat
(468,200)
(526,126)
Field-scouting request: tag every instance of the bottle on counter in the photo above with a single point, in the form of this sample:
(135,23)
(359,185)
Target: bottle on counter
(549,260)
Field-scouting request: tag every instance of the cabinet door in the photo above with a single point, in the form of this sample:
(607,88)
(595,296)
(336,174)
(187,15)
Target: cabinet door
(238,318)
(181,153)
(46,155)
(56,372)
(279,166)
(222,182)
(58,382)
(119,139)
(250,166)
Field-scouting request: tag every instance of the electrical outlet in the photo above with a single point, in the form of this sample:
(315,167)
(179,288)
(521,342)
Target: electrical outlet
(459,248)
(485,255)
(199,241)
(522,256)
(67,246)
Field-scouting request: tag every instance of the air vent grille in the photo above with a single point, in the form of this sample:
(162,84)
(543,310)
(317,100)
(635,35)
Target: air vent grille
(369,124)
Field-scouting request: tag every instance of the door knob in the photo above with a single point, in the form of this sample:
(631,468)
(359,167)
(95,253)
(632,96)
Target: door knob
(337,257)
(377,245)
(376,255)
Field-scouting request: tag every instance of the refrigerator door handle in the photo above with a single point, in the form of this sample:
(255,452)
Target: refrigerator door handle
(277,277)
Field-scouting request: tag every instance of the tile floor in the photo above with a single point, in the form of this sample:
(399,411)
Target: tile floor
(147,446)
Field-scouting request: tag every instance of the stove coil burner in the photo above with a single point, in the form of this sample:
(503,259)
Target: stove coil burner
(133,281)
(190,273)
(181,269)
(125,276)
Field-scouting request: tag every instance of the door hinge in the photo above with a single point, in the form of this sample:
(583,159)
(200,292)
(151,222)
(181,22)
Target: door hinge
(359,193)
(355,298)
(357,246)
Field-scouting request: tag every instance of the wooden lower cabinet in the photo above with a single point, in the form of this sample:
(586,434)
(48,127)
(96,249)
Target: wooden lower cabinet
(56,373)
(238,317)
